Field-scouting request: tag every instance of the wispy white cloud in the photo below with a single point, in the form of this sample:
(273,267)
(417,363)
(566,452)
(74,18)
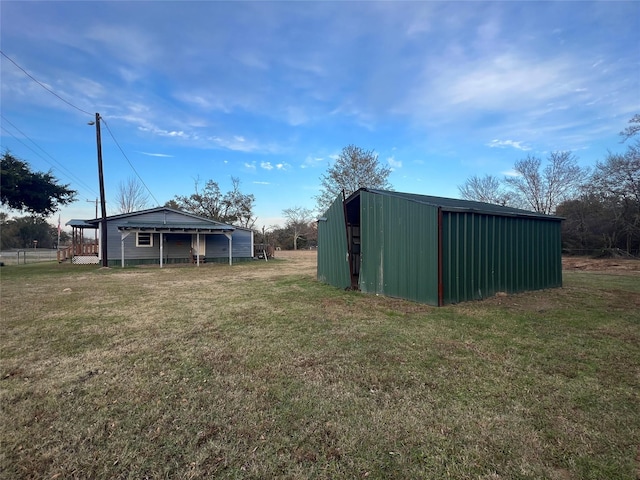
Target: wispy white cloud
(495,143)
(134,46)
(434,77)
(161,132)
(261,183)
(296,116)
(510,173)
(238,143)
(164,155)
(277,166)
(251,59)
(393,163)
(503,82)
(312,162)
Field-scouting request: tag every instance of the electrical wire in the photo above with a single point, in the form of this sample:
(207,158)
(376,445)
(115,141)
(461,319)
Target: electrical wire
(60,166)
(44,86)
(80,110)
(128,161)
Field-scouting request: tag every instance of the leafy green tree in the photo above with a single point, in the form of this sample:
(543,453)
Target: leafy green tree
(238,206)
(21,232)
(280,237)
(355,168)
(234,207)
(33,192)
(173,204)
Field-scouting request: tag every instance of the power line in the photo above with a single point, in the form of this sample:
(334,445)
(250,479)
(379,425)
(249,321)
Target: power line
(44,86)
(62,167)
(80,110)
(128,161)
(84,185)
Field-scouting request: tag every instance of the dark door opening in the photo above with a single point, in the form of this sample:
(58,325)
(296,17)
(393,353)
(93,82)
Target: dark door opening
(354,244)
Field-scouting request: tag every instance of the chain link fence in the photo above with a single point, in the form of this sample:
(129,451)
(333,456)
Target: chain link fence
(28,255)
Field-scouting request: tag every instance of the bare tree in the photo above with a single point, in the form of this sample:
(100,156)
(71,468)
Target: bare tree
(619,175)
(355,168)
(633,130)
(298,220)
(543,190)
(616,182)
(488,189)
(131,196)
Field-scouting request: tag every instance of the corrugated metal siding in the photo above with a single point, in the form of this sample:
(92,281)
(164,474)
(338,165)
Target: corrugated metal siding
(486,254)
(399,248)
(333,266)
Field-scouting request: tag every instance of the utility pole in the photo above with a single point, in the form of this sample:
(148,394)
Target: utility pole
(103,205)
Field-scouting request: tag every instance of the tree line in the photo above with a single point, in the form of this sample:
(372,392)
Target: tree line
(601,207)
(40,194)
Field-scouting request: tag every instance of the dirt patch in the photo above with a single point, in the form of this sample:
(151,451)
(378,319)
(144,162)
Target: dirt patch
(601,264)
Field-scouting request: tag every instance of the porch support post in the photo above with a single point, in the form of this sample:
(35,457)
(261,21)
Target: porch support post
(228,235)
(161,247)
(100,252)
(123,235)
(198,249)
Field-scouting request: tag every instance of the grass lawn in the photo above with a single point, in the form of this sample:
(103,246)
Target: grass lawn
(259,371)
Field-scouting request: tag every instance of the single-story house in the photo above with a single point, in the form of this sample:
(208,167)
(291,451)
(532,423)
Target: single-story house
(161,236)
(436,250)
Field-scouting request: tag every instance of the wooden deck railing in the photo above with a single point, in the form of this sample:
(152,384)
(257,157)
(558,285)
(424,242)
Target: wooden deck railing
(69,252)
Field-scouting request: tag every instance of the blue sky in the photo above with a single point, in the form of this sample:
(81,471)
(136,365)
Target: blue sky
(270,92)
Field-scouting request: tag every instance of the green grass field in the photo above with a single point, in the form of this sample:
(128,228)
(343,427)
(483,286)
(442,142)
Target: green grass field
(258,371)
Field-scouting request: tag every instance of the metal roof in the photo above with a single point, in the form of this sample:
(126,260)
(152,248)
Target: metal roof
(186,227)
(81,224)
(130,222)
(457,205)
(153,210)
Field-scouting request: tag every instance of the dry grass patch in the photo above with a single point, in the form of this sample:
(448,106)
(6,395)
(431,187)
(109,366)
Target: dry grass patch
(258,371)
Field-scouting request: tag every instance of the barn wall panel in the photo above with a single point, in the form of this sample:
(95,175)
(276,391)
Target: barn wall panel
(486,254)
(399,248)
(333,262)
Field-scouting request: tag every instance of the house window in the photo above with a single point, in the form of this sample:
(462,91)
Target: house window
(144,239)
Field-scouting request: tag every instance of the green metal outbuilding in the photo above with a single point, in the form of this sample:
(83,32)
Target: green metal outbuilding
(436,250)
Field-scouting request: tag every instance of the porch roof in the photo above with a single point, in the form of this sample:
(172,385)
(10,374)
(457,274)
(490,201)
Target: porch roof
(187,227)
(74,222)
